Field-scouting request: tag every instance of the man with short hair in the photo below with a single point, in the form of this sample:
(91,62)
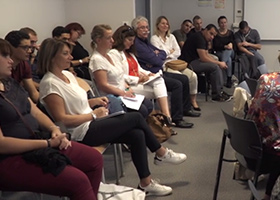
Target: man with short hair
(195,52)
(197,25)
(61,33)
(33,55)
(248,43)
(181,34)
(21,72)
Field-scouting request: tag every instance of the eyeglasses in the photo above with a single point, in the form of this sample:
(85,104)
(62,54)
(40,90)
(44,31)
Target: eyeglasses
(25,48)
(143,27)
(79,33)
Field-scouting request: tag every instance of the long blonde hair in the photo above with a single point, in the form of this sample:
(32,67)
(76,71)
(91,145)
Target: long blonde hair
(167,34)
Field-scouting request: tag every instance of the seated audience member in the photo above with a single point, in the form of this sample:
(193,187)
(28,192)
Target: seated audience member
(195,52)
(80,54)
(181,34)
(108,72)
(152,59)
(197,25)
(33,55)
(264,110)
(67,102)
(79,180)
(61,33)
(248,43)
(223,47)
(21,72)
(164,40)
(124,51)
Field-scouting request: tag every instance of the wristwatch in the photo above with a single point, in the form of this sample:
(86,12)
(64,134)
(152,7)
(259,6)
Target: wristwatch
(81,61)
(94,116)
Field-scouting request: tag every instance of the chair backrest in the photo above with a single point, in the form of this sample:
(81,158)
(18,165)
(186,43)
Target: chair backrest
(244,136)
(93,84)
(252,84)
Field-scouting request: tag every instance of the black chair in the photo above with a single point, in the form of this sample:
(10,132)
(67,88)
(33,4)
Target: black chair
(252,84)
(245,140)
(203,84)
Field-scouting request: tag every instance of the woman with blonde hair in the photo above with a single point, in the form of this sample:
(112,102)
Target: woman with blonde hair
(166,41)
(68,104)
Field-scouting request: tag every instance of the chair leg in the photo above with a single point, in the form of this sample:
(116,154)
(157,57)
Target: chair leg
(121,159)
(116,164)
(103,176)
(219,169)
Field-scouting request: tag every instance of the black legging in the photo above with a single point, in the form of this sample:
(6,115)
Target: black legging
(130,128)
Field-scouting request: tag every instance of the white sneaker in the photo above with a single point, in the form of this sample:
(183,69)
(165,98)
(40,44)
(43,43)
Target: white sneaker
(170,157)
(154,188)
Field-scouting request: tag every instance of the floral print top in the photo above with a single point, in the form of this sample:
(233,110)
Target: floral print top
(265,109)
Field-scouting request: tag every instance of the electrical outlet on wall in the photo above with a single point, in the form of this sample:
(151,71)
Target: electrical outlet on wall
(239,13)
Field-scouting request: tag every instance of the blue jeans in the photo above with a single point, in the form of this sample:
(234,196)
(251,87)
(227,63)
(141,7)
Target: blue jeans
(226,56)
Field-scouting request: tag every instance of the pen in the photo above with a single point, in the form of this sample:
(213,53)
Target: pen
(127,89)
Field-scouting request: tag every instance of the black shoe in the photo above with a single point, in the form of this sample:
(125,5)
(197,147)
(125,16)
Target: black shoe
(183,124)
(218,98)
(196,108)
(191,113)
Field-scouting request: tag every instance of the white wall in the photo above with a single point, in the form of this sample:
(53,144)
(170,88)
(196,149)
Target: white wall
(41,15)
(44,15)
(92,12)
(178,10)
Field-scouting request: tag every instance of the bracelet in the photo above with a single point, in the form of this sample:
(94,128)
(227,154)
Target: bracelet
(49,143)
(81,61)
(94,116)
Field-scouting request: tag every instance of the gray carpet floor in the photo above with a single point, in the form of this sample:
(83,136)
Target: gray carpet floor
(195,178)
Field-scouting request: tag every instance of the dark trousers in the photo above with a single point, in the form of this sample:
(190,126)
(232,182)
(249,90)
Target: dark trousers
(130,128)
(178,85)
(145,109)
(213,71)
(77,181)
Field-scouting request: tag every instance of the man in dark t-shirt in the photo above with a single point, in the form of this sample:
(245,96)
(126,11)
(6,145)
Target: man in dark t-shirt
(195,52)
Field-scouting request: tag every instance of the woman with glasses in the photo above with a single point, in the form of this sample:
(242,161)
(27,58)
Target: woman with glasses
(80,54)
(123,50)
